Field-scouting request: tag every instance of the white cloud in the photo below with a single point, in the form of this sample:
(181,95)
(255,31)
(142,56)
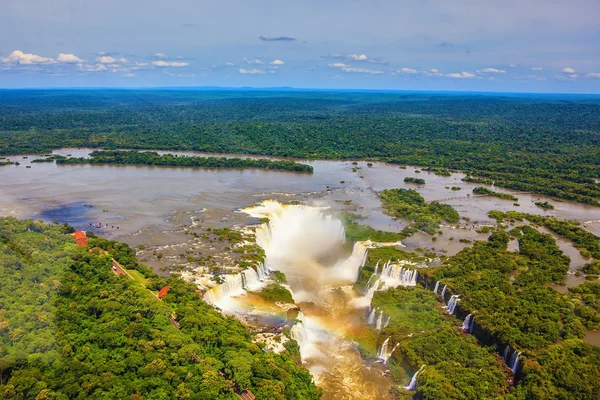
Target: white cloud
(357,57)
(277,62)
(106,60)
(338,65)
(593,75)
(536,69)
(68,58)
(128,75)
(254,71)
(461,75)
(409,71)
(568,70)
(91,67)
(362,71)
(18,57)
(491,71)
(253,61)
(573,76)
(162,63)
(434,70)
(513,65)
(161,56)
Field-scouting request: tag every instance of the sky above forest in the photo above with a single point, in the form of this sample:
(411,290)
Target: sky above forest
(464,45)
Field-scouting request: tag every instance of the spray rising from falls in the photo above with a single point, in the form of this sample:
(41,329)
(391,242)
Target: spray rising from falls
(451,307)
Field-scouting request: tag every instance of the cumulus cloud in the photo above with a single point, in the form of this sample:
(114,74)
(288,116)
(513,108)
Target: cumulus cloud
(536,69)
(160,56)
(162,63)
(338,65)
(277,62)
(491,71)
(461,75)
(347,68)
(253,61)
(277,38)
(20,58)
(568,70)
(357,57)
(106,60)
(254,71)
(92,68)
(593,75)
(409,71)
(68,58)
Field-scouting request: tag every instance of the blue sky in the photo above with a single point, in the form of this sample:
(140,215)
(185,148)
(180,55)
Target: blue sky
(484,45)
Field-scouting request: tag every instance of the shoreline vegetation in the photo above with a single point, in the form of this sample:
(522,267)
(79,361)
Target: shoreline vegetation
(132,157)
(539,144)
(70,328)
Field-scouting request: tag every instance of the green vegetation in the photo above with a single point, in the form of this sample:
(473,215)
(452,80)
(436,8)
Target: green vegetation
(455,188)
(486,191)
(418,181)
(359,232)
(72,329)
(587,243)
(382,255)
(439,171)
(274,292)
(545,144)
(170,160)
(544,205)
(410,205)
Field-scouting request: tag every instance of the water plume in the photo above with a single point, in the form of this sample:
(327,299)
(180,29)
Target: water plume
(383,354)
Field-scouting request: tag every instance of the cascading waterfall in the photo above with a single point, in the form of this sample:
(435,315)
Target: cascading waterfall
(468,323)
(454,299)
(391,276)
(262,271)
(371,319)
(413,381)
(378,324)
(505,355)
(437,286)
(234,285)
(444,290)
(515,359)
(301,334)
(383,354)
(387,322)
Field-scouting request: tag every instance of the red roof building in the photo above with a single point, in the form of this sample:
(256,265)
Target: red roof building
(81,238)
(162,293)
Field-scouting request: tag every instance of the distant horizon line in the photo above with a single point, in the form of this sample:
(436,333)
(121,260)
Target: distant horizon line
(287,89)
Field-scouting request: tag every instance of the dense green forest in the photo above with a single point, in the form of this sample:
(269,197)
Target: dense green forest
(71,329)
(541,144)
(410,205)
(506,294)
(170,160)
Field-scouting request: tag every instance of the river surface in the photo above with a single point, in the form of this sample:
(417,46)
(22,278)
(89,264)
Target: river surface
(155,205)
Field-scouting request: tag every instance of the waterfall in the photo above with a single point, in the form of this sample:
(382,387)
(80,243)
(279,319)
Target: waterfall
(413,382)
(371,319)
(383,353)
(387,322)
(514,361)
(391,276)
(262,271)
(437,286)
(467,325)
(234,285)
(505,356)
(444,290)
(454,299)
(379,321)
(300,334)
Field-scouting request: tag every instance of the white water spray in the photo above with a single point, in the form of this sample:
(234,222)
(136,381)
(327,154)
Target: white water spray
(468,323)
(454,299)
(437,286)
(384,353)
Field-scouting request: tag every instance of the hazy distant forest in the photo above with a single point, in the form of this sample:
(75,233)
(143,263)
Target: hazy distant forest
(543,144)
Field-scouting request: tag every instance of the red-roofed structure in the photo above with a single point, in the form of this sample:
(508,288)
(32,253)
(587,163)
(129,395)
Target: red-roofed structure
(163,292)
(81,238)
